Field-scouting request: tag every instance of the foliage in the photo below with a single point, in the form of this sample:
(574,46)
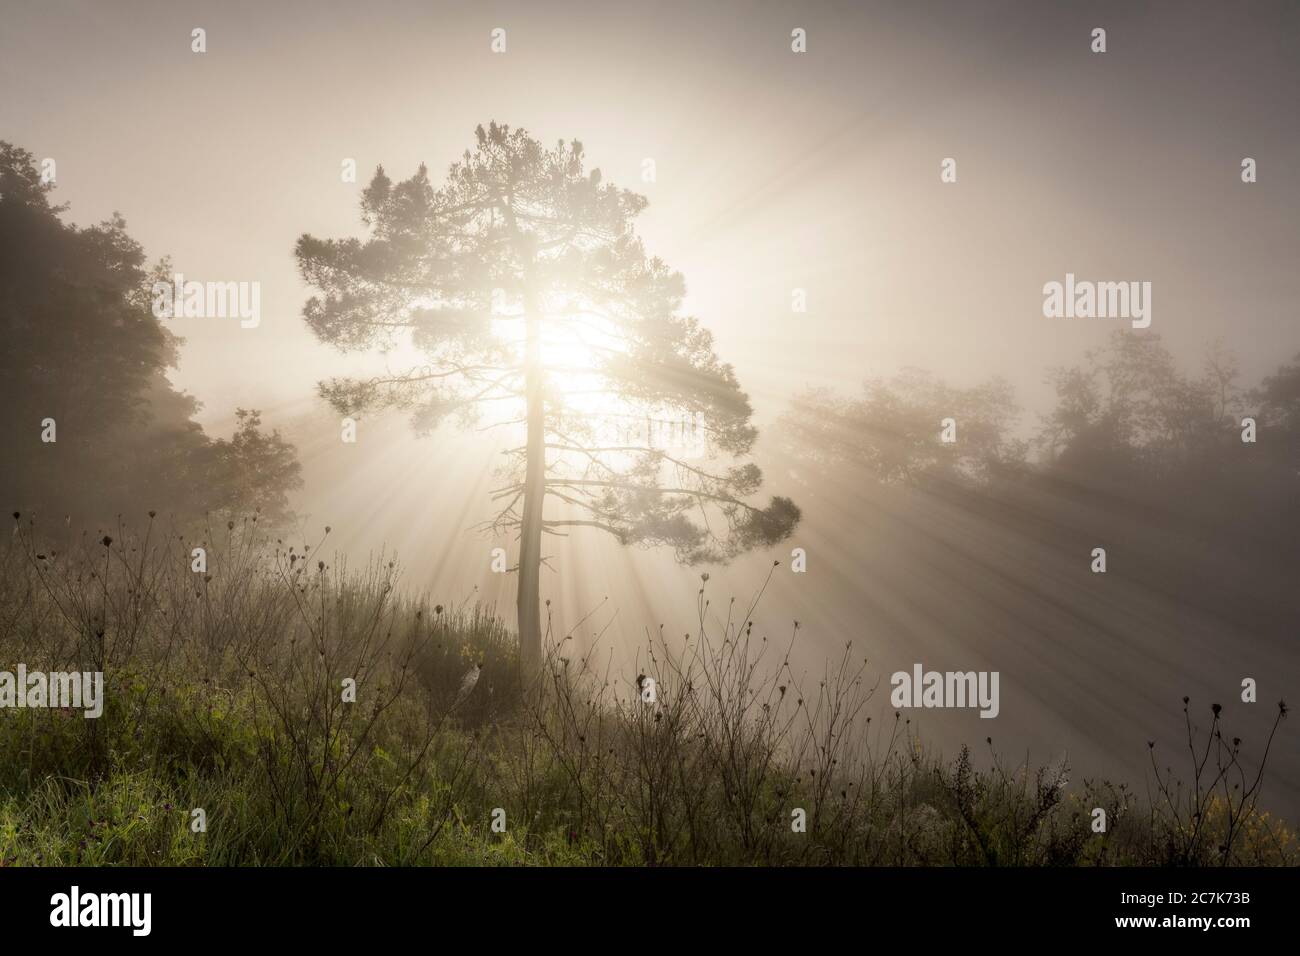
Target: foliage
(224,694)
(84,348)
(523,282)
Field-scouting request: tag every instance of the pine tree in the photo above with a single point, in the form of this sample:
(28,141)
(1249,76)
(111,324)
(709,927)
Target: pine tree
(522,280)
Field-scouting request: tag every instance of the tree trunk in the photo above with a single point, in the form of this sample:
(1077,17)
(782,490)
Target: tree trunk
(529,610)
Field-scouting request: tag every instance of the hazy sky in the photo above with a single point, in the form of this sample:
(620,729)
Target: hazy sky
(775,171)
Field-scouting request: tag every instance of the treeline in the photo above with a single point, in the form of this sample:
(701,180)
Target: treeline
(90,425)
(990,538)
(1129,430)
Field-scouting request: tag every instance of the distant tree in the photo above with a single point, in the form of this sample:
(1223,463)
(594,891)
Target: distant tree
(893,430)
(253,470)
(523,282)
(1278,398)
(83,348)
(1129,410)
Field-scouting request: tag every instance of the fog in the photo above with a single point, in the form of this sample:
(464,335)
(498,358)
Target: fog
(776,177)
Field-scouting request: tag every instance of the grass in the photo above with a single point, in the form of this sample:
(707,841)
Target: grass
(226,695)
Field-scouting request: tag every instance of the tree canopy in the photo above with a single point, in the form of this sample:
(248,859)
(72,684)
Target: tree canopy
(85,351)
(521,280)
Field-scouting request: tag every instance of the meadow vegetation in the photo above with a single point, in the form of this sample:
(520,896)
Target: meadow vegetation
(225,691)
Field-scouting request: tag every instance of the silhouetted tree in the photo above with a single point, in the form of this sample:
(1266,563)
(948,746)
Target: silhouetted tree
(1278,398)
(523,282)
(1129,410)
(1139,455)
(83,348)
(253,469)
(893,430)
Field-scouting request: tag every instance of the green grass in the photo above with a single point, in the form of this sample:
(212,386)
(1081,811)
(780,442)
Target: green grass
(224,693)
